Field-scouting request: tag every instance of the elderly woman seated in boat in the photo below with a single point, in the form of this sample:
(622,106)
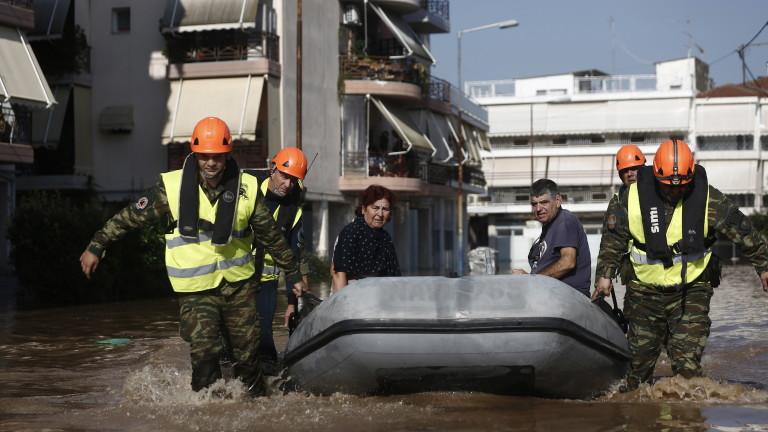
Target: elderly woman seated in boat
(363,249)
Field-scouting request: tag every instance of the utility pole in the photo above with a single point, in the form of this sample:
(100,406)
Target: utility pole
(460,168)
(299,25)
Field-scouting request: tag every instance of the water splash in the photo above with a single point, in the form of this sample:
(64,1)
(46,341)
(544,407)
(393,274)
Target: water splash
(167,386)
(677,388)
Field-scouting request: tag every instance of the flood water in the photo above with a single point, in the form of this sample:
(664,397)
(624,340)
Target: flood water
(123,367)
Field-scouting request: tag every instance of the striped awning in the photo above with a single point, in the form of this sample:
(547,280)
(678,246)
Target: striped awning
(404,33)
(202,15)
(236,100)
(21,79)
(403,125)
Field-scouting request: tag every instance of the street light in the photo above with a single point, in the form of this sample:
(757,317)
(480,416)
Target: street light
(501,25)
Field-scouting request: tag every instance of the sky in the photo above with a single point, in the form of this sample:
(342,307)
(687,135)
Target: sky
(559,36)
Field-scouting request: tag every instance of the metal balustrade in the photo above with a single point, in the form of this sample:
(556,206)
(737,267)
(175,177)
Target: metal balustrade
(224,46)
(615,84)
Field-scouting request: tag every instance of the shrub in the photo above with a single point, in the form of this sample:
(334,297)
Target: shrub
(48,233)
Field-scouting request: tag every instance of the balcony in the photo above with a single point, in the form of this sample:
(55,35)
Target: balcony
(223,53)
(406,174)
(223,46)
(17,13)
(15,134)
(434,17)
(383,76)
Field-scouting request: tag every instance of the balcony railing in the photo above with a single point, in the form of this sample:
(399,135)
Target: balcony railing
(522,142)
(356,164)
(615,84)
(15,123)
(439,90)
(496,88)
(381,69)
(441,8)
(224,47)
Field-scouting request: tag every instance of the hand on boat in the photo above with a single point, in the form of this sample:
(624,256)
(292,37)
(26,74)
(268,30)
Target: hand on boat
(519,271)
(603,286)
(299,288)
(289,310)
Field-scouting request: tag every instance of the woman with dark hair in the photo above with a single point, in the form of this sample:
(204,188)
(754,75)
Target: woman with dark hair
(363,248)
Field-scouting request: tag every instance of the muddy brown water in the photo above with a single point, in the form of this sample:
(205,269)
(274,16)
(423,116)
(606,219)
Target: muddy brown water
(122,367)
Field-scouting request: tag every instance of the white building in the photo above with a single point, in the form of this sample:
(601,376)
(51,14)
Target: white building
(371,111)
(568,127)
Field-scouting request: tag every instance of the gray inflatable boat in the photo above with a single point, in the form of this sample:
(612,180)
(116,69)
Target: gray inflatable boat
(505,334)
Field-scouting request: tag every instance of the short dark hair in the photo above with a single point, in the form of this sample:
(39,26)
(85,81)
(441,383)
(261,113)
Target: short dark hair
(543,186)
(371,194)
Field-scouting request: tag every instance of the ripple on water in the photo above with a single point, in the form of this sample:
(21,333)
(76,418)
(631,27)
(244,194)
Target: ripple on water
(676,388)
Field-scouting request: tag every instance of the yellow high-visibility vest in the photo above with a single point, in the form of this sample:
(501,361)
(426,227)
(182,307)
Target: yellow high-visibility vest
(270,271)
(195,264)
(650,271)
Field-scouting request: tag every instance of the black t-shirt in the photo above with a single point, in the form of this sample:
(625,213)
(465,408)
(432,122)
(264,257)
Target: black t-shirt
(362,251)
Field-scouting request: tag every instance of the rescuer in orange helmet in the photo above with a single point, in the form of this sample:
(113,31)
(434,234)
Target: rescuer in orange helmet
(667,224)
(215,219)
(281,190)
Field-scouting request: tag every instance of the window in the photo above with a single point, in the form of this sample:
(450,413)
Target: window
(541,92)
(599,196)
(121,20)
(732,142)
(561,140)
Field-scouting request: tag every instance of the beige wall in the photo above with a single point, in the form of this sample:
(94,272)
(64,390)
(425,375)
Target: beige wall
(321,131)
(125,164)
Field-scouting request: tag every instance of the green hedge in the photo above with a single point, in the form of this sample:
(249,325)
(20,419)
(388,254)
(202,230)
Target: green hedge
(48,233)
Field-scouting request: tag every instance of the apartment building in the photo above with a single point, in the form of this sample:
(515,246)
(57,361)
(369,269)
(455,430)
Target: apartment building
(568,127)
(371,112)
(24,92)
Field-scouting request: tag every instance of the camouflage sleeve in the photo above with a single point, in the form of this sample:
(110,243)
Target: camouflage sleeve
(151,207)
(268,235)
(726,218)
(615,239)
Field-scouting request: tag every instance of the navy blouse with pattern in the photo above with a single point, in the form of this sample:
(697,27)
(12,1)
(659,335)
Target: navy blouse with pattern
(362,251)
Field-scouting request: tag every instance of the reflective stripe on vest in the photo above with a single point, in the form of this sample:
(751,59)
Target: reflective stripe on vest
(652,271)
(270,271)
(194,264)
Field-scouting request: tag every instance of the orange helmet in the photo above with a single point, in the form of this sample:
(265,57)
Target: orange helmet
(291,161)
(674,163)
(628,156)
(211,135)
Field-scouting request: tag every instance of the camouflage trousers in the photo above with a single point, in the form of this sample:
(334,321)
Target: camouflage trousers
(225,312)
(666,315)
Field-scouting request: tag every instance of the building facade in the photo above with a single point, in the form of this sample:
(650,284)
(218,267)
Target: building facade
(371,112)
(568,128)
(24,94)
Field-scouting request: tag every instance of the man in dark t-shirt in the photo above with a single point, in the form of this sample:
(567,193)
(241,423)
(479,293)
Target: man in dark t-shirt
(561,251)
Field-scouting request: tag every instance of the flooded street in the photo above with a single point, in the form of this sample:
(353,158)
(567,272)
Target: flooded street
(122,367)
